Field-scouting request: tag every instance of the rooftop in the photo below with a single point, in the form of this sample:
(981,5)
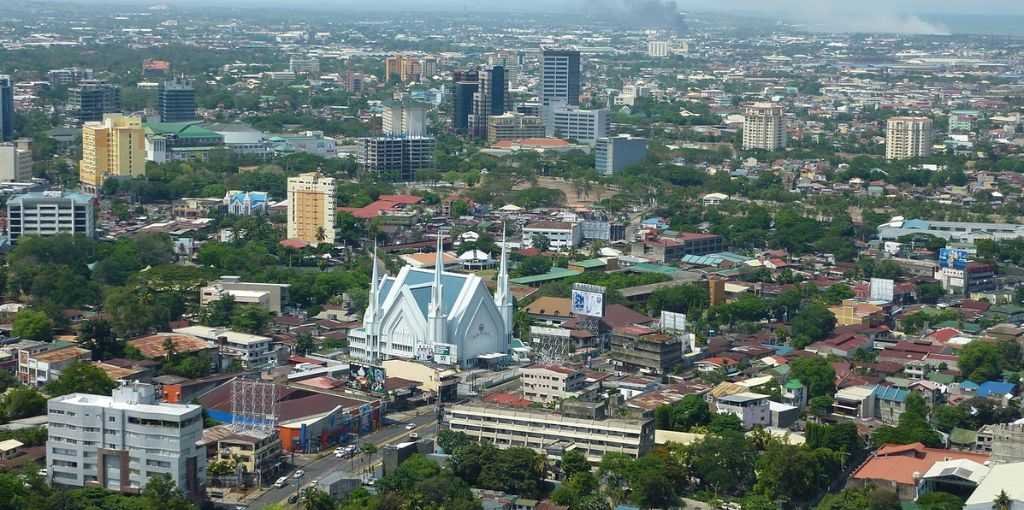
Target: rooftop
(103,401)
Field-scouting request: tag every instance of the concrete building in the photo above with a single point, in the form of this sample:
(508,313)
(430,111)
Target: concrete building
(257,452)
(560,234)
(560,76)
(310,142)
(441,380)
(16,161)
(908,137)
(490,98)
(179,141)
(1007,442)
(573,123)
(121,441)
(267,295)
(639,348)
(92,99)
(254,352)
(311,209)
(304,65)
(659,49)
(48,213)
(551,434)
(955,231)
(39,368)
(514,126)
(6,108)
(396,157)
(612,154)
(462,97)
(974,277)
(407,68)
(1001,479)
(115,147)
(764,127)
(405,119)
(753,409)
(673,249)
(68,76)
(545,383)
(176,100)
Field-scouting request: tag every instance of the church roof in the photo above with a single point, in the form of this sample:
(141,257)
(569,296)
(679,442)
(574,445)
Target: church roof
(419,282)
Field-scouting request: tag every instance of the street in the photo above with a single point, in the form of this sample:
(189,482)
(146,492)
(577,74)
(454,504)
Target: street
(358,466)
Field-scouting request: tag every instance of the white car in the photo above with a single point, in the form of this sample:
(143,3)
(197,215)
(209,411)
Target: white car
(299,474)
(281,482)
(340,454)
(414,436)
(410,426)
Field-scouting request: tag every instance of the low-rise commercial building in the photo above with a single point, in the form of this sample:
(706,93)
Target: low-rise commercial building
(16,161)
(639,348)
(267,295)
(545,383)
(251,351)
(560,234)
(514,126)
(39,368)
(550,433)
(673,249)
(753,409)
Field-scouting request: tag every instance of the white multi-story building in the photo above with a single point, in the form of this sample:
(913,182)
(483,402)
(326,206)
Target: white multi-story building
(267,295)
(561,235)
(550,383)
(48,213)
(304,65)
(659,49)
(16,161)
(120,442)
(764,127)
(753,409)
(908,137)
(544,431)
(405,119)
(574,123)
(252,351)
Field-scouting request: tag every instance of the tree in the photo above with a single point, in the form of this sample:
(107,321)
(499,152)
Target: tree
(22,402)
(812,323)
(680,299)
(725,422)
(929,292)
(81,377)
(794,473)
(683,415)
(724,463)
(1002,501)
(98,336)
(947,417)
(816,373)
(128,312)
(541,242)
(862,498)
(304,344)
(573,462)
(218,312)
(574,488)
(162,493)
(535,265)
(981,361)
(33,325)
(250,319)
(913,426)
(449,440)
(820,406)
(937,500)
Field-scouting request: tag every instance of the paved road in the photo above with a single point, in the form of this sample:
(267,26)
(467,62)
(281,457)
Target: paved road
(361,465)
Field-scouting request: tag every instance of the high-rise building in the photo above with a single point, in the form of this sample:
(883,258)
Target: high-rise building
(6,109)
(311,208)
(613,154)
(50,213)
(304,65)
(177,101)
(115,147)
(560,76)
(16,160)
(396,158)
(659,49)
(405,68)
(574,123)
(514,126)
(68,76)
(120,442)
(463,105)
(764,127)
(91,99)
(405,119)
(908,137)
(490,99)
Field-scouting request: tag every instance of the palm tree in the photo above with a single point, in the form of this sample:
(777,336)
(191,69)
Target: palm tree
(321,234)
(1002,502)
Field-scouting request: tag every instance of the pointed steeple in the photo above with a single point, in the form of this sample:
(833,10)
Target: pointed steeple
(437,321)
(370,317)
(502,296)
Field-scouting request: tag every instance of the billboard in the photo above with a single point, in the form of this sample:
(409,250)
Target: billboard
(445,354)
(953,258)
(366,377)
(882,289)
(587,300)
(672,321)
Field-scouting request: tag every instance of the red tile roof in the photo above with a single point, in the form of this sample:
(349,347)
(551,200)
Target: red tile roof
(898,463)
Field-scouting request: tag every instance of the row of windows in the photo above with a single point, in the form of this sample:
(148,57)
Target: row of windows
(548,426)
(545,437)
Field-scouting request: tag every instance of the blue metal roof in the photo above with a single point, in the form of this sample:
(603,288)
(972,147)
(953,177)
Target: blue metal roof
(891,393)
(451,285)
(995,388)
(916,224)
(969,386)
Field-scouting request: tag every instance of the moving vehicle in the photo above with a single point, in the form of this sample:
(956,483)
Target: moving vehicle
(414,436)
(299,474)
(410,426)
(281,482)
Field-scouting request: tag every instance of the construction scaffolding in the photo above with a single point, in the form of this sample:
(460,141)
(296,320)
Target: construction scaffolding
(253,406)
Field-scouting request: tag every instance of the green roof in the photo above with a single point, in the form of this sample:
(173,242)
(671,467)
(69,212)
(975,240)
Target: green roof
(556,273)
(653,268)
(191,129)
(794,384)
(962,436)
(941,378)
(589,263)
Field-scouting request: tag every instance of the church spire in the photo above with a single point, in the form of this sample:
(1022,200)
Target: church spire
(502,296)
(370,318)
(436,319)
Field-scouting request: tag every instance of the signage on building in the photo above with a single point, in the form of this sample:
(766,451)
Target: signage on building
(445,354)
(588,300)
(953,258)
(882,289)
(366,377)
(672,321)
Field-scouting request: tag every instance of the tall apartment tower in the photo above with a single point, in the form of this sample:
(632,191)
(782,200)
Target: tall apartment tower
(119,442)
(115,147)
(659,49)
(177,101)
(560,76)
(491,98)
(6,109)
(311,208)
(91,99)
(764,127)
(465,85)
(908,137)
(405,119)
(395,158)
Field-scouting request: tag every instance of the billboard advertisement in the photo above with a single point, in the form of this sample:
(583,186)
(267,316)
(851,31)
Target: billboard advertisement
(588,300)
(366,377)
(445,354)
(882,289)
(954,258)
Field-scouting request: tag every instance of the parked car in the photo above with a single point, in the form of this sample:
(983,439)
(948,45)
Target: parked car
(410,426)
(414,436)
(299,474)
(281,482)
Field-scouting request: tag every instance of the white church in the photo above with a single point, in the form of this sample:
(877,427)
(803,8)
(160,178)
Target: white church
(434,315)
